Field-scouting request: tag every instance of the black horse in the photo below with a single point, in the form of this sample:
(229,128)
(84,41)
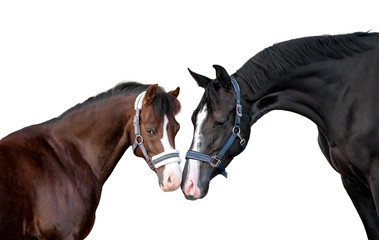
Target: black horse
(332,80)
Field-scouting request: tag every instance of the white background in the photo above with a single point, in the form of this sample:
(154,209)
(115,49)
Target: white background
(55,54)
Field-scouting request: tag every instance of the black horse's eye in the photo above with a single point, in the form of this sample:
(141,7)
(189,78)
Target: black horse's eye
(150,132)
(220,123)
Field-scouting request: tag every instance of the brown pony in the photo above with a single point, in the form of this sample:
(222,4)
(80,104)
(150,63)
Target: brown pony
(52,173)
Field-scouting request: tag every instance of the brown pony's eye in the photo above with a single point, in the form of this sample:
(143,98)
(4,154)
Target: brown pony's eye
(150,132)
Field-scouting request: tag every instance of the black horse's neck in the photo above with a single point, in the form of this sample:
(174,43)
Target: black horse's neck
(299,92)
(293,76)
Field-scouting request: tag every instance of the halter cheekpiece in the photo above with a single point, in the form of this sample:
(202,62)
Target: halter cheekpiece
(158,160)
(215,161)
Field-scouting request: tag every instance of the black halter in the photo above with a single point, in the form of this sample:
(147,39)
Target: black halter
(215,161)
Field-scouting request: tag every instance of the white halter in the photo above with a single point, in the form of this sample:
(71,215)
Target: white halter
(158,160)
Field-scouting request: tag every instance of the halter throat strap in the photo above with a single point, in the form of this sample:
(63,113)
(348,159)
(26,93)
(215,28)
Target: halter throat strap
(215,161)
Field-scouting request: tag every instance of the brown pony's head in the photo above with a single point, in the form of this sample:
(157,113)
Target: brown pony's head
(155,128)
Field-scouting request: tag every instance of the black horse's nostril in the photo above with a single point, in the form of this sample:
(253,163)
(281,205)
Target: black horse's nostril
(190,187)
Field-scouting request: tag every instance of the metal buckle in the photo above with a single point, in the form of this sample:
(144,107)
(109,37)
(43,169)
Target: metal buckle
(136,120)
(239,110)
(215,161)
(242,142)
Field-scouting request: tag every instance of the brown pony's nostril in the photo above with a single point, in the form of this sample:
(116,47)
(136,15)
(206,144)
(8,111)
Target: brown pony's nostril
(169,181)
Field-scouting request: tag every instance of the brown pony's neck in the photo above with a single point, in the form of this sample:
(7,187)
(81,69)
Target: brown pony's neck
(98,132)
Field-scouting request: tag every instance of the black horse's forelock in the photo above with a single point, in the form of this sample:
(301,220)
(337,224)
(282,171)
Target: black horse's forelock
(273,62)
(210,96)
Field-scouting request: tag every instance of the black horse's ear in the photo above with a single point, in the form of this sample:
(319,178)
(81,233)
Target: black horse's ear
(201,80)
(223,77)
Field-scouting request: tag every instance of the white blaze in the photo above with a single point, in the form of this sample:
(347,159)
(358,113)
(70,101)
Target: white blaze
(194,165)
(167,148)
(172,175)
(198,137)
(165,142)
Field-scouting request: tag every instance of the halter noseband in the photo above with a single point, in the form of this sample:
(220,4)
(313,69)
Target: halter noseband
(215,161)
(158,160)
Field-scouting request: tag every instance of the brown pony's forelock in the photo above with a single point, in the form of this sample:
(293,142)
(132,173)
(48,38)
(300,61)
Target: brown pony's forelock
(165,104)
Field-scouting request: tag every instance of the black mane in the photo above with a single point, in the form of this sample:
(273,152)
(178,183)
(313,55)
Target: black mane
(273,62)
(163,103)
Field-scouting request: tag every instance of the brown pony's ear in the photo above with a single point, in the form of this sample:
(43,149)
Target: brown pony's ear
(176,105)
(150,94)
(175,92)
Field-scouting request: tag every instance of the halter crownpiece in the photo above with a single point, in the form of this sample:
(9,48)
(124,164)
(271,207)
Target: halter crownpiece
(215,161)
(158,160)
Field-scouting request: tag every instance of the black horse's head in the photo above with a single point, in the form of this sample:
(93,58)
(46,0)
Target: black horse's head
(221,130)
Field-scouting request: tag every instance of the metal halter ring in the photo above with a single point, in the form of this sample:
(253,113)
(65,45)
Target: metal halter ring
(139,137)
(238,130)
